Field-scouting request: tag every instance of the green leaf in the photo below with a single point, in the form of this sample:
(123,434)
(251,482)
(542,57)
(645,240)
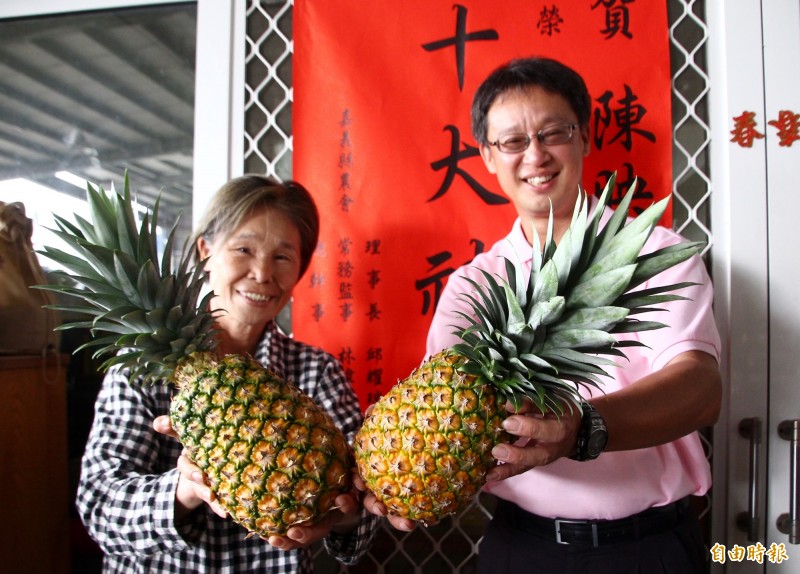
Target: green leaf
(634,326)
(515,313)
(127,237)
(103,218)
(625,254)
(578,339)
(652,264)
(517,280)
(546,312)
(547,284)
(615,223)
(576,356)
(73,263)
(127,274)
(593,235)
(638,229)
(601,290)
(646,296)
(536,362)
(603,318)
(147,284)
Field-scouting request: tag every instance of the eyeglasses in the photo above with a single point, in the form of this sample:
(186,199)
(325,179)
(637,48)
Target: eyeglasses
(554,135)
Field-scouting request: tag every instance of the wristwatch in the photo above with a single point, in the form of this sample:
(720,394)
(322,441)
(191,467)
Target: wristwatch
(592,436)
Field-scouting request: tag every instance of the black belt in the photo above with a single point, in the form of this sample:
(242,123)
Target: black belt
(656,520)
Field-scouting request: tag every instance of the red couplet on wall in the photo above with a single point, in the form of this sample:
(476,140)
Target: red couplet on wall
(381,125)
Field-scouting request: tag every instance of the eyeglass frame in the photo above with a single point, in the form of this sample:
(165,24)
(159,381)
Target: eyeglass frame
(539,137)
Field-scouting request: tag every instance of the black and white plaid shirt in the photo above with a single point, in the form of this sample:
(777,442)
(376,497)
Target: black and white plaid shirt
(126,495)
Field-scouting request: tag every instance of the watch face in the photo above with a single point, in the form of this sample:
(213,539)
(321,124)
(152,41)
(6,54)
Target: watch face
(597,441)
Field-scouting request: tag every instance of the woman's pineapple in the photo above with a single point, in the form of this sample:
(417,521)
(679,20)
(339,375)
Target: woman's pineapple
(425,447)
(273,457)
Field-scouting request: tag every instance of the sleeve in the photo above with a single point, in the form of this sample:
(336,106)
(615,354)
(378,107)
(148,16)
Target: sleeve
(335,393)
(350,548)
(447,316)
(126,493)
(691,324)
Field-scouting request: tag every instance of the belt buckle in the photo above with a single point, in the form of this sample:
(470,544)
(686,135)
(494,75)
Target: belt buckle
(560,521)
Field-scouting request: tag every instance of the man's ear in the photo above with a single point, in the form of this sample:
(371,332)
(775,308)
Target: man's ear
(587,144)
(488,159)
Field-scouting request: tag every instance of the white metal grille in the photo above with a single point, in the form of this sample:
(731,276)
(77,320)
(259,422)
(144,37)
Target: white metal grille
(268,88)
(452,545)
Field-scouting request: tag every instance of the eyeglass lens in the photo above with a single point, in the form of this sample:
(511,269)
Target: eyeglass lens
(555,135)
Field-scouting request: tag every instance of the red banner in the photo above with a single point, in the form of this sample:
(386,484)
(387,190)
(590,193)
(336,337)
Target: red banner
(382,94)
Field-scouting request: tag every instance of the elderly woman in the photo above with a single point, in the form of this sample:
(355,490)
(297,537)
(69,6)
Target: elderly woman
(150,508)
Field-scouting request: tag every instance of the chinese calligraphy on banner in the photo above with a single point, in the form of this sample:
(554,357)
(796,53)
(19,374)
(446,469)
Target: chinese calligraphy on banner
(382,93)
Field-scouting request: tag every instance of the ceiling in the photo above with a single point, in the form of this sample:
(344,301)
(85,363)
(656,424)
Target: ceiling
(98,93)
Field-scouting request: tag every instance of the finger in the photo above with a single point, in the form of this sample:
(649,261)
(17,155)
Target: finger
(216,506)
(163,425)
(191,470)
(527,456)
(358,482)
(281,542)
(525,426)
(348,504)
(542,429)
(401,523)
(526,407)
(376,507)
(373,505)
(504,471)
(300,536)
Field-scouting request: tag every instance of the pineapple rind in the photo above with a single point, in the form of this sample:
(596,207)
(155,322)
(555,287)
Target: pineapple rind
(301,447)
(446,423)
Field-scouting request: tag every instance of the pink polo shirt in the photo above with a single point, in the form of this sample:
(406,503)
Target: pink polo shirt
(616,484)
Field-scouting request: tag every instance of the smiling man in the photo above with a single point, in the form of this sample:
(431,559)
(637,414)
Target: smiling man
(607,491)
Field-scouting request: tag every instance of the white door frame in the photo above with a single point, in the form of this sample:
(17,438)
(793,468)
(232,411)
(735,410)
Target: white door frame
(739,224)
(753,66)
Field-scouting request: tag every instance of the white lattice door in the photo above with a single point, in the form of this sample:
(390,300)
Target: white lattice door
(757,271)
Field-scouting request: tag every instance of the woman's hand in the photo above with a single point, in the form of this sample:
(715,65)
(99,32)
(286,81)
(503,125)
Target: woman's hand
(193,489)
(341,520)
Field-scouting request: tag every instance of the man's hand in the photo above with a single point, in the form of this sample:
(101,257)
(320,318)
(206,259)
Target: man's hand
(543,439)
(376,507)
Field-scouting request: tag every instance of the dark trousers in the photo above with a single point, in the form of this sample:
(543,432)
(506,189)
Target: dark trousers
(508,548)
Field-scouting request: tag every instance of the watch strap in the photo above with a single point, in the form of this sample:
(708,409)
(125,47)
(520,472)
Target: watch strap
(592,435)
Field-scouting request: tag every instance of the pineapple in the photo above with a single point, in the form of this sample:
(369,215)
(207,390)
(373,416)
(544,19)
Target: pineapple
(425,447)
(274,459)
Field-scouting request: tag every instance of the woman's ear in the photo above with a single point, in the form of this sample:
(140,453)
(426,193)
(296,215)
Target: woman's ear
(203,248)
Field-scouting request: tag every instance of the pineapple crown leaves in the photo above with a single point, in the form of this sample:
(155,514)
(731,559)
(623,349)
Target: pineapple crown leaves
(144,312)
(540,336)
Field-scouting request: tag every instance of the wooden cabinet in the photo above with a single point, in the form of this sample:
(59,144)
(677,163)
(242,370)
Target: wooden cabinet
(34,485)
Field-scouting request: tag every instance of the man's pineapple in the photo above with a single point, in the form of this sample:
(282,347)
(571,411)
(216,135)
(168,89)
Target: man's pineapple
(425,447)
(273,457)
